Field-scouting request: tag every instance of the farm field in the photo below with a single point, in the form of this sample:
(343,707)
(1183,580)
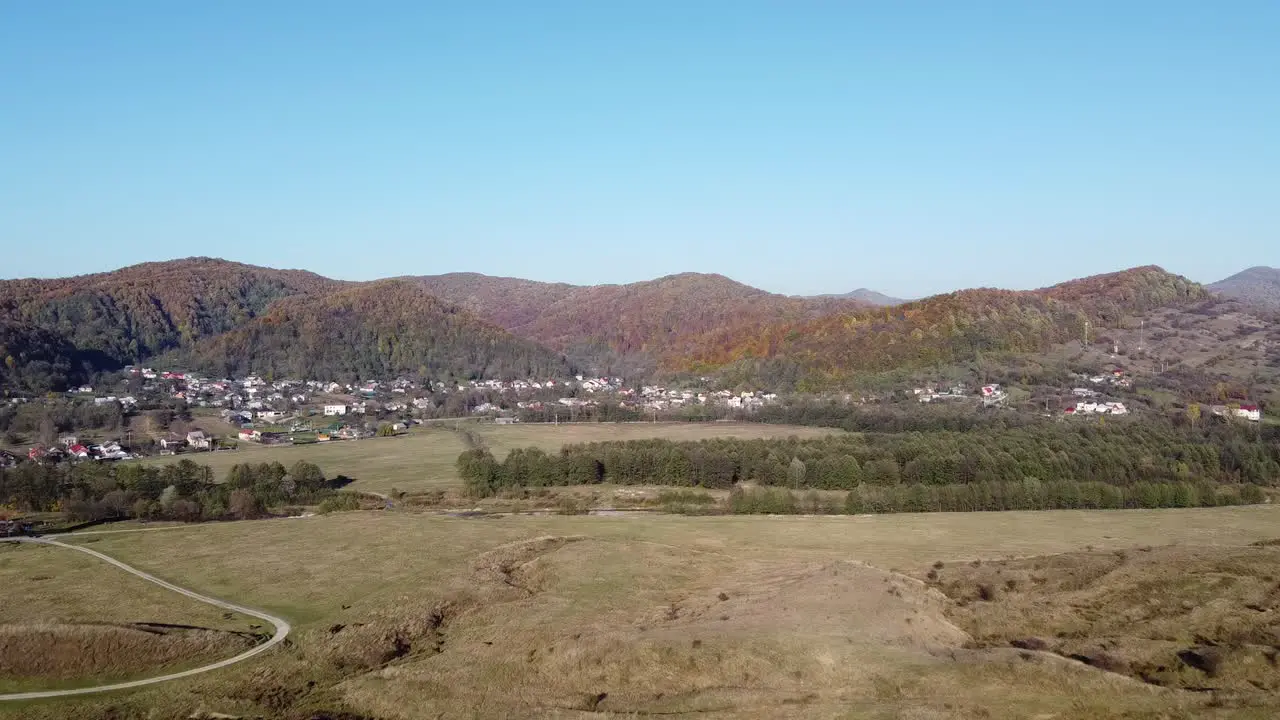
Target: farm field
(403,615)
(424,458)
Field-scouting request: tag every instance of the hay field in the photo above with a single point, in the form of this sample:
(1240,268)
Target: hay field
(401,615)
(424,458)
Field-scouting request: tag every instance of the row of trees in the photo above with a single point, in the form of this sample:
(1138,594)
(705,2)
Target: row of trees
(1026,495)
(180,491)
(1117,456)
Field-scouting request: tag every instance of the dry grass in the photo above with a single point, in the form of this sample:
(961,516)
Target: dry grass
(1206,618)
(400,615)
(424,459)
(67,619)
(33,655)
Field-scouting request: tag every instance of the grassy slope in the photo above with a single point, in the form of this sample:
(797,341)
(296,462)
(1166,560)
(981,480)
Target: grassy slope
(424,459)
(597,614)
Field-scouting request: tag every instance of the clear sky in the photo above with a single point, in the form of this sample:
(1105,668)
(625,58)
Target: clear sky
(803,147)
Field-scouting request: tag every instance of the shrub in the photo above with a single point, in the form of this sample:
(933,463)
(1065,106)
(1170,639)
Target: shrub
(339,503)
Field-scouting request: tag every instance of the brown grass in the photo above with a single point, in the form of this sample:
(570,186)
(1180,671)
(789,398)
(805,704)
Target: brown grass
(400,615)
(103,653)
(1206,618)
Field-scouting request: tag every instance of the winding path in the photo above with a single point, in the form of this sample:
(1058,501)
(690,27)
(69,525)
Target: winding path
(282,629)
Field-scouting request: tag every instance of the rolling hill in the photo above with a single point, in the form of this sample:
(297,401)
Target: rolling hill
(137,312)
(1257,285)
(944,329)
(630,326)
(371,330)
(228,318)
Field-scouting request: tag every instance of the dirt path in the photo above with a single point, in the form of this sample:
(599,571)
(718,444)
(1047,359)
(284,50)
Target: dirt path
(282,629)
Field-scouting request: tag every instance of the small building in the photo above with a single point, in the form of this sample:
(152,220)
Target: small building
(250,435)
(1249,412)
(335,410)
(199,441)
(504,421)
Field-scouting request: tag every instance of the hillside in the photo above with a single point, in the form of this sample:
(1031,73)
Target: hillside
(371,330)
(35,360)
(943,329)
(1257,285)
(505,301)
(128,315)
(608,325)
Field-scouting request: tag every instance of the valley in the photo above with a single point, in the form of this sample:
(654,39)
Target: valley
(491,497)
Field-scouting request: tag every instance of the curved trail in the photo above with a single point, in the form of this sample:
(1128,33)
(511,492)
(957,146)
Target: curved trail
(282,629)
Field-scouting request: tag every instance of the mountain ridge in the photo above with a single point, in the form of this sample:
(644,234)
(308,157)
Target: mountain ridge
(220,314)
(1259,285)
(377,329)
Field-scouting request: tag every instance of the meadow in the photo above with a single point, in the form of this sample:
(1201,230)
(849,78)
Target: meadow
(423,459)
(69,620)
(406,615)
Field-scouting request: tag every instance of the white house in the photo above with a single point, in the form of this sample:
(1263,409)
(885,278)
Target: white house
(335,409)
(198,440)
(1249,412)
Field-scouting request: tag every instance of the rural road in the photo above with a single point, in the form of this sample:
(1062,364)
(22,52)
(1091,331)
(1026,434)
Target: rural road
(282,629)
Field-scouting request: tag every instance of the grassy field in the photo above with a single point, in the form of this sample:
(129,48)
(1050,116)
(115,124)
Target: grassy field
(66,617)
(424,458)
(402,615)
(502,439)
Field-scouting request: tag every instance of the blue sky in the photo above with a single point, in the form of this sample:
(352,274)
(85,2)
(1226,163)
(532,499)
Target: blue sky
(803,147)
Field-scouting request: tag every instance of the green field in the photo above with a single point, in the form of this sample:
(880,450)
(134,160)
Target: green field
(424,458)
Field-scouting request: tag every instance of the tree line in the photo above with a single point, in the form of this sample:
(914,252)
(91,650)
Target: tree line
(184,490)
(1050,454)
(992,496)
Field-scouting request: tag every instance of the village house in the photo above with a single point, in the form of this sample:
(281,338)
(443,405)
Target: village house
(331,410)
(250,435)
(172,441)
(197,440)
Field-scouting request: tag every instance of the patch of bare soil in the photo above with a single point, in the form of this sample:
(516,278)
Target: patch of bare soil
(1201,619)
(65,651)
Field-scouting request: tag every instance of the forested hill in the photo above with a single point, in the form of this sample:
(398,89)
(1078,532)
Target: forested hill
(371,330)
(1258,286)
(134,313)
(228,318)
(943,329)
(34,360)
(655,318)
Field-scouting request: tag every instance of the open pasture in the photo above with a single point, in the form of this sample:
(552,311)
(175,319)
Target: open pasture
(402,615)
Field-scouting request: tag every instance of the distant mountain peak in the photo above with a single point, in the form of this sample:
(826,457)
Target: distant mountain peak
(868,297)
(1258,285)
